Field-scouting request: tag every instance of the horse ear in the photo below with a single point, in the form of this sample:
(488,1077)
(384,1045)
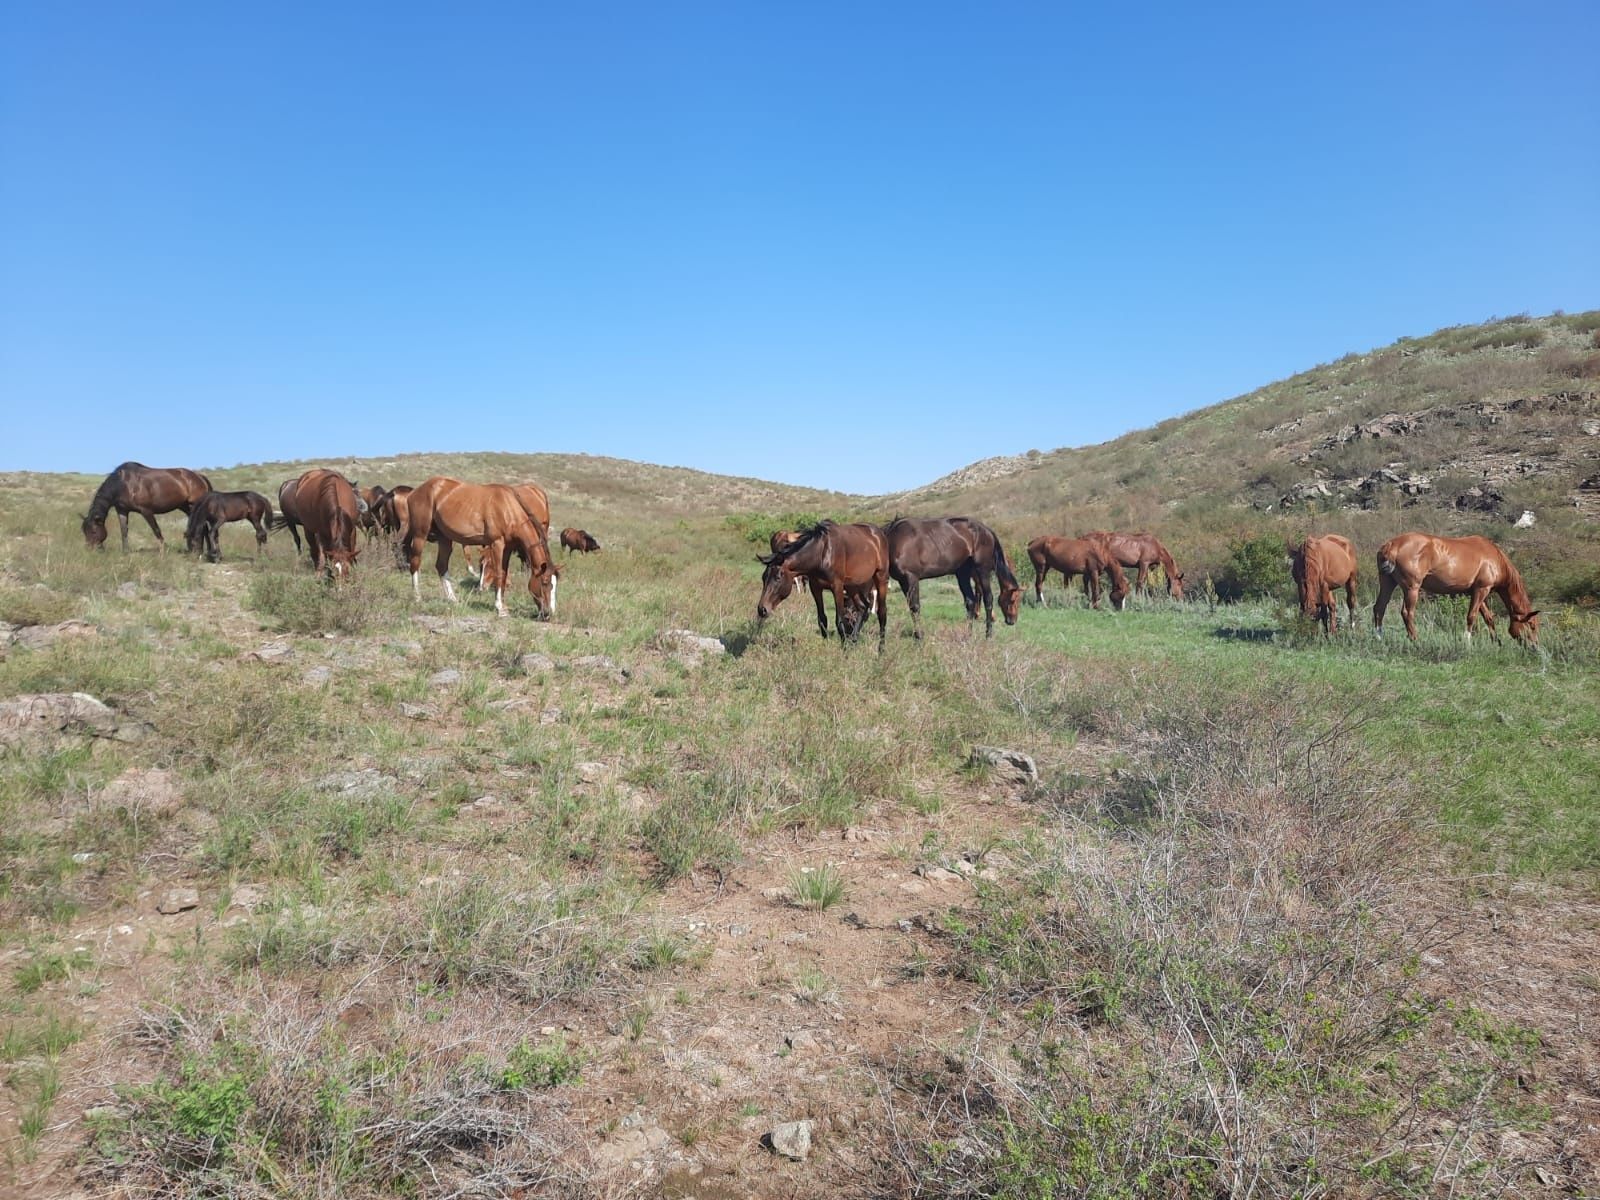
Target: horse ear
(766,560)
(1531,615)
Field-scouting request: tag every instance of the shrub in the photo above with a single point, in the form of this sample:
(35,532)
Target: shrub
(758,528)
(820,889)
(549,1064)
(1256,568)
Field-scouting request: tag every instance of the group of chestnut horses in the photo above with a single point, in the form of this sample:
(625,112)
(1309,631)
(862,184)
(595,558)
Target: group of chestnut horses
(851,562)
(331,511)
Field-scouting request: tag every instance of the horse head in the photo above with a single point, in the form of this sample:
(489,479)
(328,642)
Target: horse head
(94,532)
(1525,626)
(1010,601)
(777,581)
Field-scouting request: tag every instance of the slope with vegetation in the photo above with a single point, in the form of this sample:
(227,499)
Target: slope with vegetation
(343,894)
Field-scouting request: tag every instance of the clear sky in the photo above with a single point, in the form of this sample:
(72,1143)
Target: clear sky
(851,245)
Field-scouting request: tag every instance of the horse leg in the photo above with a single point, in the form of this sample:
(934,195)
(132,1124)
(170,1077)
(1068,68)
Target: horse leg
(1488,613)
(441,564)
(150,520)
(122,520)
(1381,605)
(822,613)
(1350,601)
(261,536)
(912,587)
(969,596)
(1408,610)
(988,603)
(1091,587)
(1329,611)
(1141,585)
(1040,570)
(881,589)
(840,622)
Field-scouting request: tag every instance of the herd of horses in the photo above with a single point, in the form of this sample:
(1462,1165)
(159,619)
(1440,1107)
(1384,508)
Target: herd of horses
(851,562)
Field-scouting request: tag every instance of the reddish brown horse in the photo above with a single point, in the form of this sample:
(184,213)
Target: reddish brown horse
(578,539)
(490,515)
(1319,566)
(1467,566)
(927,548)
(847,560)
(134,487)
(537,502)
(216,509)
(1142,551)
(391,509)
(326,504)
(1076,556)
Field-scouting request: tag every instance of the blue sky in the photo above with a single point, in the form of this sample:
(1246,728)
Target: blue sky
(848,245)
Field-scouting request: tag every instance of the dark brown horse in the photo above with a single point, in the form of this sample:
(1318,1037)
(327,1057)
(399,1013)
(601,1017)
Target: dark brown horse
(371,515)
(1076,556)
(326,504)
(392,509)
(1319,566)
(1467,566)
(134,487)
(490,515)
(578,539)
(1142,551)
(216,509)
(926,548)
(843,559)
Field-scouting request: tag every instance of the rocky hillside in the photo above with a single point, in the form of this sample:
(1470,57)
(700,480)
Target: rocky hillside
(1492,428)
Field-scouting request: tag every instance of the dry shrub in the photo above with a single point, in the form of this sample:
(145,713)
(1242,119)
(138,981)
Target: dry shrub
(1214,962)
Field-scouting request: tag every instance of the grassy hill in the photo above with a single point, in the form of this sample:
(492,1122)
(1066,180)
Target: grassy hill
(315,890)
(1510,408)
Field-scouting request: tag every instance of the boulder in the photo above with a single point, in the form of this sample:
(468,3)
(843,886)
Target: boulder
(39,637)
(792,1140)
(536,664)
(271,652)
(1012,765)
(449,677)
(50,713)
(177,900)
(149,792)
(688,647)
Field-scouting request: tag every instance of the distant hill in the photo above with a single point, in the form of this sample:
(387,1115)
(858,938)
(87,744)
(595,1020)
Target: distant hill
(1464,429)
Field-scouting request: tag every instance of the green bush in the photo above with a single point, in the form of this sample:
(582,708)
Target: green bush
(549,1064)
(1257,568)
(758,528)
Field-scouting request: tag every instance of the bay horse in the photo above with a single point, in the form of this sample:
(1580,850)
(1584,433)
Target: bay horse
(1143,551)
(1465,566)
(391,509)
(926,548)
(578,539)
(847,560)
(493,516)
(1320,565)
(216,509)
(326,504)
(134,487)
(1076,556)
(371,518)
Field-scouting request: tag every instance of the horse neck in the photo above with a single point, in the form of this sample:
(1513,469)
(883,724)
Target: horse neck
(1514,592)
(105,498)
(809,557)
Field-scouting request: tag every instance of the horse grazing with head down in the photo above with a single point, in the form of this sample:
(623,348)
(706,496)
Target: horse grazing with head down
(847,560)
(216,509)
(134,487)
(1441,566)
(580,540)
(1142,551)
(537,502)
(1076,556)
(926,548)
(326,504)
(1320,565)
(493,516)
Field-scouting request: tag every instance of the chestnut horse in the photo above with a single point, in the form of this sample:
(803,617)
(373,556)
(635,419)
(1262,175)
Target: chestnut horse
(134,487)
(326,504)
(578,539)
(1319,566)
(1141,550)
(493,516)
(926,548)
(847,560)
(1076,556)
(537,502)
(1466,566)
(216,509)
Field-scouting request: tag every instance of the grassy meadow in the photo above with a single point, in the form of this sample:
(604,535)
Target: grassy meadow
(503,907)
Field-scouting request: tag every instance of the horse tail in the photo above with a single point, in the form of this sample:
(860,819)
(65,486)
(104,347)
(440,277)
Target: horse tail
(1385,565)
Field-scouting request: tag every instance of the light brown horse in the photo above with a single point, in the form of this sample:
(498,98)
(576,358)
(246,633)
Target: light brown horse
(1076,556)
(491,515)
(326,504)
(1319,566)
(847,560)
(134,487)
(1142,551)
(1466,566)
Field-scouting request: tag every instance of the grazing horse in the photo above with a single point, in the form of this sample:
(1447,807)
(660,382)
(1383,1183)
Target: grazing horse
(134,487)
(537,502)
(578,539)
(326,504)
(493,516)
(927,548)
(1320,565)
(216,509)
(371,517)
(1466,566)
(288,511)
(1141,550)
(847,560)
(1076,556)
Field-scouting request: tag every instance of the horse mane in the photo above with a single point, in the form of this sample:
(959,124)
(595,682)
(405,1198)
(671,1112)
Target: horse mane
(1516,590)
(807,536)
(105,496)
